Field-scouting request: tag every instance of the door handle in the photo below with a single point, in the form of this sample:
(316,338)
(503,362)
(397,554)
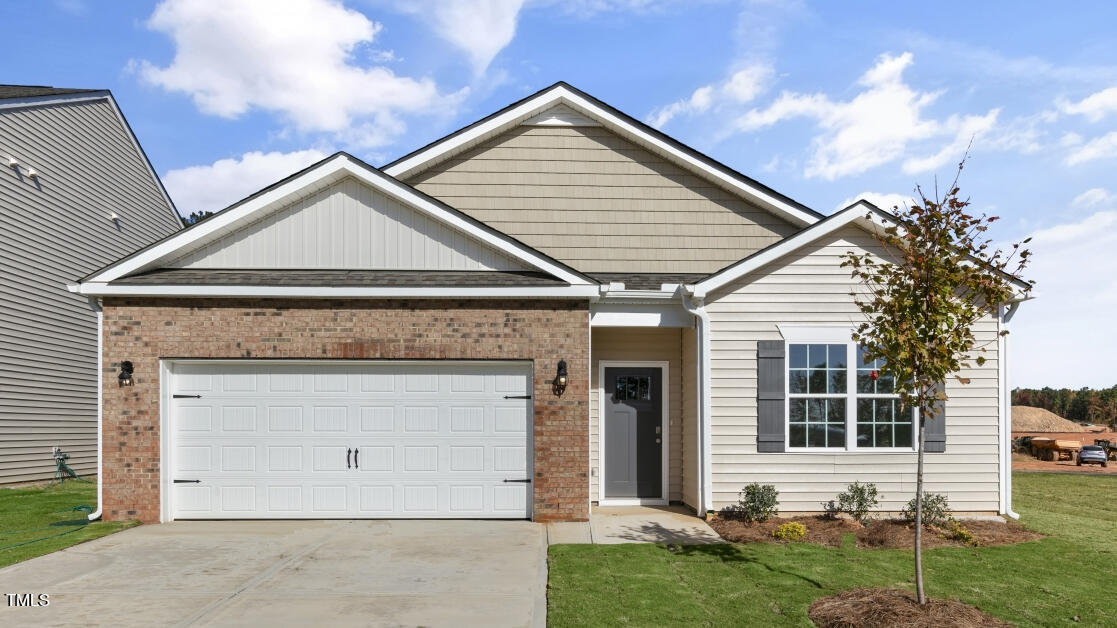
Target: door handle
(348,452)
(356,461)
(658,441)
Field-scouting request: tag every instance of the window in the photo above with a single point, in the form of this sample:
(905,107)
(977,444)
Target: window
(635,388)
(836,399)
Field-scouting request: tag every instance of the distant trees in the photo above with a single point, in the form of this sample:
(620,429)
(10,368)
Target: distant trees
(196,217)
(1085,405)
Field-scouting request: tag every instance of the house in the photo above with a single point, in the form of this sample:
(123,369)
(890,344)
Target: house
(76,192)
(552,307)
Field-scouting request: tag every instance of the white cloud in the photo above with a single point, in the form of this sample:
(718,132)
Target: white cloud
(885,201)
(1094,107)
(226,181)
(1092,197)
(1070,139)
(479,28)
(297,61)
(1064,337)
(877,126)
(741,87)
(1098,148)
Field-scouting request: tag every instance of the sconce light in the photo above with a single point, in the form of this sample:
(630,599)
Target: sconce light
(32,173)
(125,377)
(559,383)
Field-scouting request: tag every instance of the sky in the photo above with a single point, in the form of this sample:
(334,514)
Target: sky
(826,102)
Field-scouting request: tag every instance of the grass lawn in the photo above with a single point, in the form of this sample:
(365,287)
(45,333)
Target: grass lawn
(1040,583)
(40,520)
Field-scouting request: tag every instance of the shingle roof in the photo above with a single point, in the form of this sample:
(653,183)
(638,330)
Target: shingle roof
(328,278)
(32,91)
(647,281)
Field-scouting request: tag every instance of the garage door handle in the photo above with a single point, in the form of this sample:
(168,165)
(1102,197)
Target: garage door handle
(523,481)
(356,460)
(187,396)
(188,481)
(348,452)
(517,396)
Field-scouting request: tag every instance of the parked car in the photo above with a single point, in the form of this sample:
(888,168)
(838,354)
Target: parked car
(1092,454)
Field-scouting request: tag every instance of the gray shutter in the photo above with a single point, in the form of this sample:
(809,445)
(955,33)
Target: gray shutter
(935,438)
(770,396)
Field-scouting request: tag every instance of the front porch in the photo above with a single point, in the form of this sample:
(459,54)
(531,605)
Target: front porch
(611,525)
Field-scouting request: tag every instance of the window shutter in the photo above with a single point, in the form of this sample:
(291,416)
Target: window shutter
(770,396)
(935,437)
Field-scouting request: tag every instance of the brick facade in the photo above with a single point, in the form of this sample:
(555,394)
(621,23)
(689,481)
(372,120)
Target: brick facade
(144,330)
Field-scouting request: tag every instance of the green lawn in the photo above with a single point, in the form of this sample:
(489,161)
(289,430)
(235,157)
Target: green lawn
(40,520)
(1041,583)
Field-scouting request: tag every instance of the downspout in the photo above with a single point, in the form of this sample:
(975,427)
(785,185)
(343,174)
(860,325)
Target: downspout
(705,491)
(1006,314)
(96,303)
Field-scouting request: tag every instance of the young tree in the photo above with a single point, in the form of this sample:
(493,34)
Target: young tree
(938,276)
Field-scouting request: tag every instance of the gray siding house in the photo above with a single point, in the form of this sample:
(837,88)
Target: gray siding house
(76,192)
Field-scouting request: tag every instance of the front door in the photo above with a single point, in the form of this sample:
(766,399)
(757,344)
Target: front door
(633,433)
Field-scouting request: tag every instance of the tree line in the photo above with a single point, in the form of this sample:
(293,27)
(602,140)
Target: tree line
(1085,405)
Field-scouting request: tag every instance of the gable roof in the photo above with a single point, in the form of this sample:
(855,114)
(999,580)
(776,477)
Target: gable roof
(861,213)
(306,181)
(562,94)
(35,91)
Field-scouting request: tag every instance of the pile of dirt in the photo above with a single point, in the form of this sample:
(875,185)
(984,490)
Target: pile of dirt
(873,608)
(1029,419)
(877,534)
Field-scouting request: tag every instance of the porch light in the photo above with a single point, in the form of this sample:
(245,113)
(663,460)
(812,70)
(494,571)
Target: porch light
(125,377)
(559,383)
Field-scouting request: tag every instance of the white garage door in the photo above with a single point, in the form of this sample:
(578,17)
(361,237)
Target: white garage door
(350,440)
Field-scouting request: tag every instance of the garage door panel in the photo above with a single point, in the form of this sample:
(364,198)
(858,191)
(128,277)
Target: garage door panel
(270,440)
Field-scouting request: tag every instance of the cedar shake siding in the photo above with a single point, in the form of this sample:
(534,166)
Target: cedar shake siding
(589,198)
(144,330)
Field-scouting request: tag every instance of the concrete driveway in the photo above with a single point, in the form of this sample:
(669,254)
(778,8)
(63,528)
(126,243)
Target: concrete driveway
(281,573)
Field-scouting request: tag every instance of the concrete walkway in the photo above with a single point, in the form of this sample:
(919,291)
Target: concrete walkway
(285,573)
(635,524)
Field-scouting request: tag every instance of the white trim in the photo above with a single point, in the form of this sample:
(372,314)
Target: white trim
(562,94)
(327,172)
(96,514)
(315,292)
(705,402)
(832,224)
(665,386)
(166,432)
(816,333)
(1004,403)
(639,315)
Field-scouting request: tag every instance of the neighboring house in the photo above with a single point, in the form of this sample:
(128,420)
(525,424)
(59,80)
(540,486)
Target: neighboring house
(76,192)
(355,342)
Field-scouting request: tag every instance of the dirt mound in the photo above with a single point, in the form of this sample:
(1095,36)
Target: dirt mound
(873,608)
(1029,419)
(879,533)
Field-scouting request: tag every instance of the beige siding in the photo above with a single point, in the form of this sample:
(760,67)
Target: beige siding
(690,416)
(53,231)
(809,287)
(635,344)
(352,226)
(589,198)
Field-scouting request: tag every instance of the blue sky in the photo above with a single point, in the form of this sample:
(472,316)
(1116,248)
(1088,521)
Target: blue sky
(826,102)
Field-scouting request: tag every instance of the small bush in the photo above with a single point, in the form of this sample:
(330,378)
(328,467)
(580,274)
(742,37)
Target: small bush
(936,510)
(790,531)
(958,532)
(757,502)
(857,500)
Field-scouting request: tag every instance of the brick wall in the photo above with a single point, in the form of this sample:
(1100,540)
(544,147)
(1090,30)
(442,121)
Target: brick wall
(145,330)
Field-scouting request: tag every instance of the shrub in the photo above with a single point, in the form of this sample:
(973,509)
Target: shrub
(958,532)
(936,510)
(857,500)
(790,531)
(757,502)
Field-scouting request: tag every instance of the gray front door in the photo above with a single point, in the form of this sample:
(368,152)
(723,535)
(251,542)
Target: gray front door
(633,432)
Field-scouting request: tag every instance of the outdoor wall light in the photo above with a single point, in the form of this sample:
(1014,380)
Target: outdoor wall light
(125,377)
(559,383)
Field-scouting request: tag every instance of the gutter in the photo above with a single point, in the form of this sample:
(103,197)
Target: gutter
(1006,314)
(705,489)
(96,303)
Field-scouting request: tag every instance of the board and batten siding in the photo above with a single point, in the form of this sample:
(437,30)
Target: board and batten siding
(809,287)
(588,197)
(640,344)
(53,230)
(348,225)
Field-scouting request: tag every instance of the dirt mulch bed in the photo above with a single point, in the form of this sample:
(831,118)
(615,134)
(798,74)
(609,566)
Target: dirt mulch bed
(877,534)
(884,608)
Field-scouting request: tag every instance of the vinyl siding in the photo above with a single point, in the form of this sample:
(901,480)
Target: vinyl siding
(594,200)
(636,344)
(348,225)
(52,232)
(809,287)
